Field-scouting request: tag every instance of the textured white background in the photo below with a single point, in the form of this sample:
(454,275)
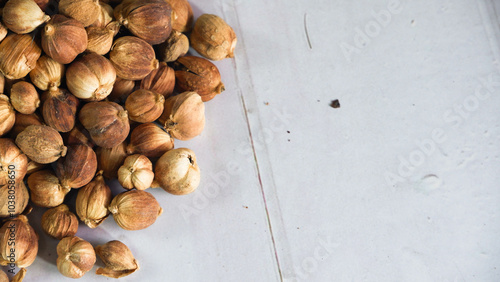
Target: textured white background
(315,204)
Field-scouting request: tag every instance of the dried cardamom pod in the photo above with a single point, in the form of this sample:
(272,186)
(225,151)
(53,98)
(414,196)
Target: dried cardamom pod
(78,167)
(34,167)
(213,38)
(118,259)
(146,19)
(24,97)
(7,115)
(19,276)
(135,209)
(150,140)
(59,109)
(132,57)
(23,121)
(184,115)
(160,80)
(85,11)
(176,46)
(100,39)
(59,222)
(91,77)
(46,189)
(106,122)
(109,160)
(75,257)
(21,196)
(2,82)
(63,39)
(177,171)
(41,143)
(26,241)
(198,75)
(23,16)
(79,136)
(13,163)
(182,15)
(93,201)
(105,15)
(3,31)
(47,74)
(18,55)
(136,172)
(144,105)
(121,89)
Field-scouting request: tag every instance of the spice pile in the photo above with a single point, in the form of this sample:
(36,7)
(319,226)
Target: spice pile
(96,91)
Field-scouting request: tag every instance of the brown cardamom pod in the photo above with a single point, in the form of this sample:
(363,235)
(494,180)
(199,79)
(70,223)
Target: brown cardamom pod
(78,167)
(59,109)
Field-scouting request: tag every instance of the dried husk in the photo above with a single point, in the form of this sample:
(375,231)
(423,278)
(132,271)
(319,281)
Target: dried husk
(23,16)
(177,45)
(106,122)
(105,15)
(150,140)
(136,172)
(213,38)
(2,83)
(100,39)
(13,162)
(198,75)
(144,105)
(177,171)
(46,189)
(93,201)
(24,97)
(182,15)
(7,115)
(63,39)
(26,241)
(23,121)
(91,77)
(135,209)
(109,160)
(160,80)
(184,116)
(3,31)
(34,167)
(133,58)
(18,55)
(75,257)
(146,19)
(78,136)
(41,143)
(118,259)
(21,198)
(121,89)
(78,167)
(44,5)
(85,11)
(59,222)
(59,109)
(47,73)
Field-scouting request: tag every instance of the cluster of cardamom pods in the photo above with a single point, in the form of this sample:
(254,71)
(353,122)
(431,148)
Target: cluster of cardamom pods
(92,91)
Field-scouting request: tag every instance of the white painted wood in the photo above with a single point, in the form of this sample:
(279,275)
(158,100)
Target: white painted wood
(314,178)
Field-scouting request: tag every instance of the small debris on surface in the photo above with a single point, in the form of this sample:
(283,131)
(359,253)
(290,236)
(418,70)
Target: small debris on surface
(246,207)
(335,104)
(288,131)
(266,103)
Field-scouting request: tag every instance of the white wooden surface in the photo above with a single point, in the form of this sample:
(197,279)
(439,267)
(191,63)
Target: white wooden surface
(316,204)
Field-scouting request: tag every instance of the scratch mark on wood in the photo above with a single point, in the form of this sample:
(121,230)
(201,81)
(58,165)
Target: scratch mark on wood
(307,32)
